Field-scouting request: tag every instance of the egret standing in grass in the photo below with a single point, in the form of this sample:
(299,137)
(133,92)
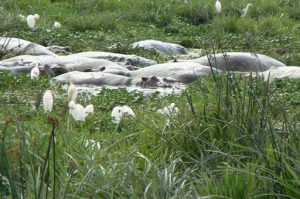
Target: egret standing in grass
(245,10)
(56,25)
(35,72)
(31,20)
(78,112)
(218,7)
(48,101)
(119,112)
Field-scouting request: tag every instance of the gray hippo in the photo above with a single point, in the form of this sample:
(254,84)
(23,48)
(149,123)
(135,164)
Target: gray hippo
(57,65)
(185,72)
(125,60)
(100,79)
(22,47)
(281,72)
(239,61)
(161,48)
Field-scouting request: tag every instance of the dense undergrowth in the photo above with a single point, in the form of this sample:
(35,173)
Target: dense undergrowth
(235,137)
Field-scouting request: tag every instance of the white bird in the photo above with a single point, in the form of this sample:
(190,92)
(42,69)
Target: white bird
(218,7)
(31,20)
(36,16)
(56,25)
(48,101)
(170,110)
(72,92)
(119,112)
(245,10)
(78,112)
(89,108)
(35,72)
(21,17)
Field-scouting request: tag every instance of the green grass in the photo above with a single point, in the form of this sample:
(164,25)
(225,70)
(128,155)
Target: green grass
(235,137)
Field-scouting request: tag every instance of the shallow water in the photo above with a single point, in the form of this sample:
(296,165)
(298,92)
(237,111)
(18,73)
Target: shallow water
(95,90)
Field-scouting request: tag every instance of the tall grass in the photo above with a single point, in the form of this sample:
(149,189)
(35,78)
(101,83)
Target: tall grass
(235,137)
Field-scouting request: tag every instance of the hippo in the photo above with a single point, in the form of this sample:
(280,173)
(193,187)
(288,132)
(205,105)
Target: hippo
(101,79)
(22,47)
(239,61)
(63,64)
(161,48)
(122,59)
(184,72)
(281,72)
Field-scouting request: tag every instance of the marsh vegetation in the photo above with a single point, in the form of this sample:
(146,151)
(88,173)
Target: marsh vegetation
(234,136)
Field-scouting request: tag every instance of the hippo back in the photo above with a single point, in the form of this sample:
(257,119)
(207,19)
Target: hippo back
(238,61)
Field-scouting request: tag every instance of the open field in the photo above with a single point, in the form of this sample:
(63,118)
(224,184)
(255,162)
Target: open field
(234,136)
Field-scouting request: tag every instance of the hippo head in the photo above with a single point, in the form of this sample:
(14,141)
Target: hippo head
(154,82)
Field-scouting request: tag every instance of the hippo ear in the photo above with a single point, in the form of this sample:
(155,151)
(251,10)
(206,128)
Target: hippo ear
(102,68)
(144,79)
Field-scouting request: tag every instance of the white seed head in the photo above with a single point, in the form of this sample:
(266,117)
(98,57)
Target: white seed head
(72,92)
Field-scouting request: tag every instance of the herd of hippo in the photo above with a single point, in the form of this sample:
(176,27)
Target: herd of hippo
(113,69)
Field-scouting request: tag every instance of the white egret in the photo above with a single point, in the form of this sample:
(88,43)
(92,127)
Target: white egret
(72,92)
(170,110)
(89,108)
(36,16)
(35,72)
(245,10)
(119,112)
(56,25)
(78,112)
(30,21)
(48,101)
(218,7)
(21,17)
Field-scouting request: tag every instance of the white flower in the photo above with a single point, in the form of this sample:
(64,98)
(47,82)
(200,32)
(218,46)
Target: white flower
(30,21)
(170,110)
(120,111)
(35,73)
(48,101)
(72,92)
(56,24)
